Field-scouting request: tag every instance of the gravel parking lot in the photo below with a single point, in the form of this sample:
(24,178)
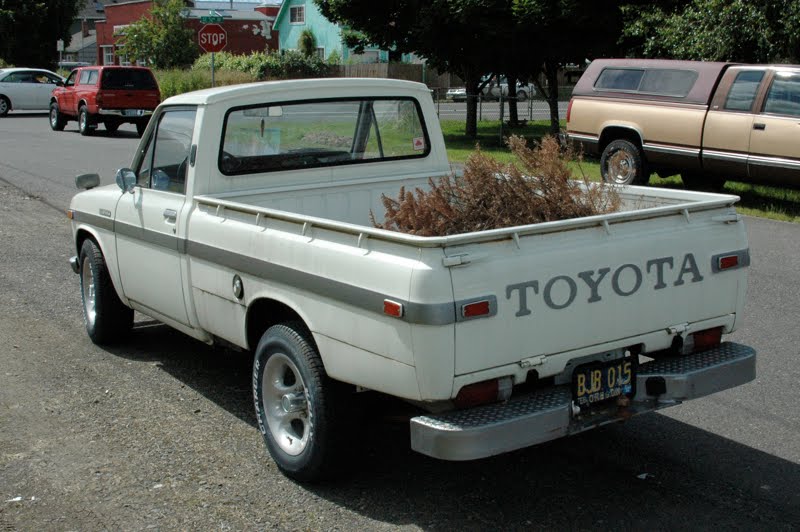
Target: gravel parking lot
(159,433)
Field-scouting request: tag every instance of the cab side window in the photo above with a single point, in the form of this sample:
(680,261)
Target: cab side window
(73,77)
(784,95)
(743,90)
(165,161)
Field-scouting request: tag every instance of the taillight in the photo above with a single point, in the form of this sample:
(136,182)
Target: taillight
(99,98)
(484,392)
(569,109)
(702,340)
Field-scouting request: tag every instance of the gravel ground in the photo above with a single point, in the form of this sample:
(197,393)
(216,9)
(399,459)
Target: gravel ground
(160,434)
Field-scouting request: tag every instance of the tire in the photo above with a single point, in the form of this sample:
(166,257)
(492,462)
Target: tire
(5,106)
(85,122)
(140,127)
(297,404)
(107,319)
(111,127)
(521,96)
(57,120)
(622,163)
(702,181)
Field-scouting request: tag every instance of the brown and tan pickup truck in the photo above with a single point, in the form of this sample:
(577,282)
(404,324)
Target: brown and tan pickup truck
(708,122)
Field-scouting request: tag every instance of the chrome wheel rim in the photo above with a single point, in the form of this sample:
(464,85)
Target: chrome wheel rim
(83,121)
(621,168)
(89,293)
(53,116)
(3,106)
(286,404)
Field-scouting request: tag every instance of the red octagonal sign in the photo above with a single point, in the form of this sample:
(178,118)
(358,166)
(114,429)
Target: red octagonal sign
(212,38)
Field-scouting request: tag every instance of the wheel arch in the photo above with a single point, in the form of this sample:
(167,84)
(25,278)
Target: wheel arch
(83,233)
(263,313)
(613,132)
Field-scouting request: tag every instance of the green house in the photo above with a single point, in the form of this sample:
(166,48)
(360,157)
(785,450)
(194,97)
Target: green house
(295,16)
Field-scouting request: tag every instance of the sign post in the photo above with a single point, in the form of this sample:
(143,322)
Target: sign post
(212,38)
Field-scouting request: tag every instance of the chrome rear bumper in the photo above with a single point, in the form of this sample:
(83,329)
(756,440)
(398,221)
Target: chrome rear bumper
(548,414)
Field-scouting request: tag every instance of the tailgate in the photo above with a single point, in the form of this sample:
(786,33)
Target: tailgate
(571,289)
(130,99)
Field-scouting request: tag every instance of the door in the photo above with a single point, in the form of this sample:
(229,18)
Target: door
(147,221)
(43,85)
(775,136)
(726,134)
(67,94)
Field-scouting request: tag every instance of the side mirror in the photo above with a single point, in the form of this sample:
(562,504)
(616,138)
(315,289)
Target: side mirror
(87,181)
(126,179)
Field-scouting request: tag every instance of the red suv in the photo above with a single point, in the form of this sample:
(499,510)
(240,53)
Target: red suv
(111,95)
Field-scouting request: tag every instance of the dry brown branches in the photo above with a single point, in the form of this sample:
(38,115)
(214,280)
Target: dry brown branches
(492,195)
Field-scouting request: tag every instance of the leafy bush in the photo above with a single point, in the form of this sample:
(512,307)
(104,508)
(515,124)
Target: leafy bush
(172,82)
(3,63)
(491,195)
(262,66)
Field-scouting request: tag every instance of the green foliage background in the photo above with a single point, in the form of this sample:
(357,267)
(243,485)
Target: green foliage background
(29,30)
(164,40)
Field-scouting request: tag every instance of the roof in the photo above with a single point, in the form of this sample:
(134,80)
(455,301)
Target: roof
(294,89)
(230,15)
(78,42)
(94,9)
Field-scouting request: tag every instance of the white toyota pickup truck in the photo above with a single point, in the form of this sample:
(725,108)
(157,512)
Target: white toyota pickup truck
(244,220)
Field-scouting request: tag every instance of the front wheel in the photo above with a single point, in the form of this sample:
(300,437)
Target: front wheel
(622,163)
(5,106)
(297,404)
(521,96)
(107,318)
(57,120)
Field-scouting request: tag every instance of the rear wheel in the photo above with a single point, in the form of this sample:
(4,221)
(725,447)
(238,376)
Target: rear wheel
(107,318)
(5,106)
(85,123)
(57,120)
(622,163)
(521,96)
(299,408)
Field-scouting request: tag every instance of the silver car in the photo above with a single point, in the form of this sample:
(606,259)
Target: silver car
(26,88)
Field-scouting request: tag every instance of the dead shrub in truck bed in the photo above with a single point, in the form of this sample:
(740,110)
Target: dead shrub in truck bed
(491,195)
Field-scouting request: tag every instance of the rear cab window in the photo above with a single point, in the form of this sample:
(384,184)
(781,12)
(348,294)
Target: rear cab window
(743,91)
(128,79)
(292,135)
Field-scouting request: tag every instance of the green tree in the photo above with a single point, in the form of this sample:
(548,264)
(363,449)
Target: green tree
(307,43)
(29,30)
(716,30)
(162,38)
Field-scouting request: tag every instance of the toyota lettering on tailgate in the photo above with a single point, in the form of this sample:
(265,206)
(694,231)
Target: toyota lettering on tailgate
(624,281)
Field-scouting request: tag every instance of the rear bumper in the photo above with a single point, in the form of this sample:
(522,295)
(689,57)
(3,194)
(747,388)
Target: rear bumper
(548,414)
(137,113)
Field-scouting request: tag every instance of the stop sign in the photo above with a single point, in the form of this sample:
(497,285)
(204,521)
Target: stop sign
(212,38)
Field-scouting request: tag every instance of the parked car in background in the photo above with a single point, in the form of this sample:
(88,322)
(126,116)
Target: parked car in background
(108,95)
(706,121)
(493,90)
(457,94)
(26,89)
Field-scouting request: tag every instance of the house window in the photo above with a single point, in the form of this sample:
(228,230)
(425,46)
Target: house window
(297,15)
(108,55)
(321,52)
(124,61)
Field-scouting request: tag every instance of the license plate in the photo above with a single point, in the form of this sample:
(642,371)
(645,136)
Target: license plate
(600,381)
(132,112)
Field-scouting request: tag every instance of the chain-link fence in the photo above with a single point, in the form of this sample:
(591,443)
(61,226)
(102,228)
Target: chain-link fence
(451,104)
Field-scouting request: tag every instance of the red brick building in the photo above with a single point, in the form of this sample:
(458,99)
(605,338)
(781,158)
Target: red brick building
(248,31)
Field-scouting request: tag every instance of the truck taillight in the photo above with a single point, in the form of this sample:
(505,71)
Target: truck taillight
(99,98)
(569,109)
(702,340)
(484,392)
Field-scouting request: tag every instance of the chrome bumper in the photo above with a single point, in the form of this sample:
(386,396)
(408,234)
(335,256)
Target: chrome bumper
(548,414)
(139,113)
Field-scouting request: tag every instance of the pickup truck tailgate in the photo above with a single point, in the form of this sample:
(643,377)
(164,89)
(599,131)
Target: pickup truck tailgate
(553,291)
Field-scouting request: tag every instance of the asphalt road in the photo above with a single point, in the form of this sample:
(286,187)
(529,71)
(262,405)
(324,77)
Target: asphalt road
(160,433)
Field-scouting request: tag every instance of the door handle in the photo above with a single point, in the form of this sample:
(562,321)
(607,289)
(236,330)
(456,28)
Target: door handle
(759,126)
(170,215)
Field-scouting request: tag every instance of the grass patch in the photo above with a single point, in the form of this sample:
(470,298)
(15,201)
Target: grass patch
(775,203)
